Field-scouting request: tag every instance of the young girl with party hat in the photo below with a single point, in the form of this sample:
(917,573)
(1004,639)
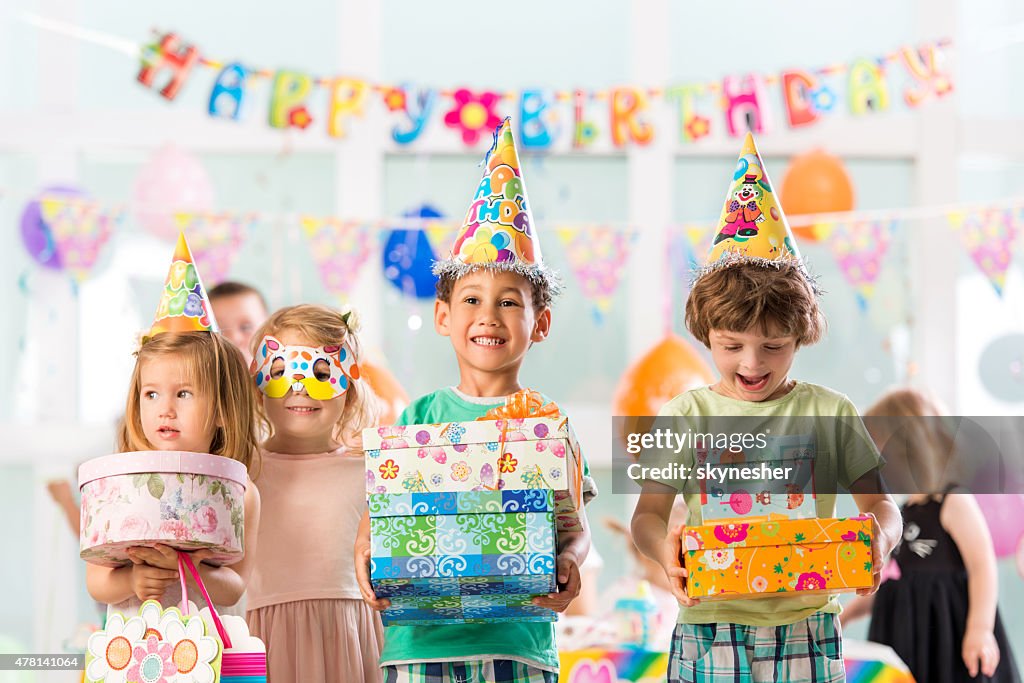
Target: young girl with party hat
(189,391)
(754,305)
(493,302)
(940,613)
(303,599)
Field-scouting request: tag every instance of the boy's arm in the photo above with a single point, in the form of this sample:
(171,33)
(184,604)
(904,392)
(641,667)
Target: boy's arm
(573,548)
(655,540)
(362,560)
(886,522)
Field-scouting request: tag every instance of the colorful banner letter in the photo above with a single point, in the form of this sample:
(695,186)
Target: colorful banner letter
(626,105)
(417,109)
(170,55)
(348,96)
(798,88)
(228,95)
(287,100)
(868,91)
(745,108)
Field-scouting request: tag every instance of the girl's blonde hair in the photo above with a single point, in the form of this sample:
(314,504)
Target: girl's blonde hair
(908,425)
(325,326)
(217,371)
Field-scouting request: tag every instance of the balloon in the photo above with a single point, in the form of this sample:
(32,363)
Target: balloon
(666,371)
(1004,513)
(815,182)
(409,257)
(388,390)
(172,181)
(35,233)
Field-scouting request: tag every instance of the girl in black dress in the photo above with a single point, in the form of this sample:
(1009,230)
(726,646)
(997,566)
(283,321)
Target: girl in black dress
(940,615)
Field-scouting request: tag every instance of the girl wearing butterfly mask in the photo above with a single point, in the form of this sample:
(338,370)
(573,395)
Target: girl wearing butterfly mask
(303,598)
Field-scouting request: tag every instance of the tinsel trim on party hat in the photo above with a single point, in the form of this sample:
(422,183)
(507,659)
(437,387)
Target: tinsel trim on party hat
(534,273)
(732,258)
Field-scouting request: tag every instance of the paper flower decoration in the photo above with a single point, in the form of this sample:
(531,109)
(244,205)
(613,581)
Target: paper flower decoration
(473,114)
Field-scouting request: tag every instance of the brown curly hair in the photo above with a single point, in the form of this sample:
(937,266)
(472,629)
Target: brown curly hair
(777,300)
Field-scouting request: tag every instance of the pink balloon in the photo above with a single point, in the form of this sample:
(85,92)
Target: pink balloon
(172,180)
(1004,513)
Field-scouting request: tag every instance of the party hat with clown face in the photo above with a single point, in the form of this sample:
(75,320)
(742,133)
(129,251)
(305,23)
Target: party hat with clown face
(752,227)
(498,232)
(184,305)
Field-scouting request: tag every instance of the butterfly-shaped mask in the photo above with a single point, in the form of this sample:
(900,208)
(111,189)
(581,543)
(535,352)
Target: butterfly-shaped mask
(324,371)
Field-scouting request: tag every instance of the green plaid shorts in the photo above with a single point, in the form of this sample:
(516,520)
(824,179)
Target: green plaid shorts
(809,651)
(485,671)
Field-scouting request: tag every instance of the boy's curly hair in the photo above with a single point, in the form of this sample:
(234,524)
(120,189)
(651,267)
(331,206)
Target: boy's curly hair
(777,300)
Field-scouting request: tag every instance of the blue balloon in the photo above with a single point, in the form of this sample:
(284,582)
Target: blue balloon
(409,257)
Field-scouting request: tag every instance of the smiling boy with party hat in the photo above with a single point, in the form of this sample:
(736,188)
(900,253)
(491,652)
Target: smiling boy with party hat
(493,302)
(754,304)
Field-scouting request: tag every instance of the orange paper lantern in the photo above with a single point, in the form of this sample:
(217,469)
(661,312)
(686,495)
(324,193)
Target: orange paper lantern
(667,370)
(388,390)
(815,182)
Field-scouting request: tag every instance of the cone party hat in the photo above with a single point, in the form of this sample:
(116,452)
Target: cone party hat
(184,305)
(498,231)
(752,227)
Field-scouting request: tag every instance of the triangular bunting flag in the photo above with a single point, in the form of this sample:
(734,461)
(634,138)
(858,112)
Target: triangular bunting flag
(988,236)
(215,240)
(80,228)
(597,257)
(859,248)
(340,250)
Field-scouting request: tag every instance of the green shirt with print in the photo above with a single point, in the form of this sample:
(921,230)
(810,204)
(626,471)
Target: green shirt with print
(530,642)
(845,452)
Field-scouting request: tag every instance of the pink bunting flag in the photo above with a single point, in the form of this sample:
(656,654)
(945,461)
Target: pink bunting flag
(79,228)
(340,249)
(988,235)
(598,258)
(215,240)
(859,247)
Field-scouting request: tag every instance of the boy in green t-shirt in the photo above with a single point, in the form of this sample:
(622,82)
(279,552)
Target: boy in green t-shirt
(493,302)
(754,306)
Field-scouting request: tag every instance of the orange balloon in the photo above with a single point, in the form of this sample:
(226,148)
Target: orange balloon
(388,390)
(815,182)
(666,371)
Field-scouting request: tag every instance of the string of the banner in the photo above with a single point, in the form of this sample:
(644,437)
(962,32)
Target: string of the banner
(905,215)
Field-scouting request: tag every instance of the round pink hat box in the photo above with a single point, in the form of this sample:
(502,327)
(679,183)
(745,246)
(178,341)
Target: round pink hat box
(189,501)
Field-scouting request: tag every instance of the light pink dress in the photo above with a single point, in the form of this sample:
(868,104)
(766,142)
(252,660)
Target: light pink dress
(303,599)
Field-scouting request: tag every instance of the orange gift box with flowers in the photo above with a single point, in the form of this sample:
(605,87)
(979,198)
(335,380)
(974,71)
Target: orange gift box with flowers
(730,560)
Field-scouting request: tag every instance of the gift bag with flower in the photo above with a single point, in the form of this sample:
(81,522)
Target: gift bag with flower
(159,645)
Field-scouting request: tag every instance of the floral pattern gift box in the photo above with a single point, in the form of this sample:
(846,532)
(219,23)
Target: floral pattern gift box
(188,501)
(484,455)
(742,560)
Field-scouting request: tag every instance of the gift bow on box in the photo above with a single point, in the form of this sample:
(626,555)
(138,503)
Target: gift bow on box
(527,403)
(523,403)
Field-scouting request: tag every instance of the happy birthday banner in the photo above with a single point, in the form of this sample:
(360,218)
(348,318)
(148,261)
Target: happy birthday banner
(737,102)
(569,118)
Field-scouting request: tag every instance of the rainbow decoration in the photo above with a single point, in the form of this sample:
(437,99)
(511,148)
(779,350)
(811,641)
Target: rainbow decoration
(598,665)
(866,671)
